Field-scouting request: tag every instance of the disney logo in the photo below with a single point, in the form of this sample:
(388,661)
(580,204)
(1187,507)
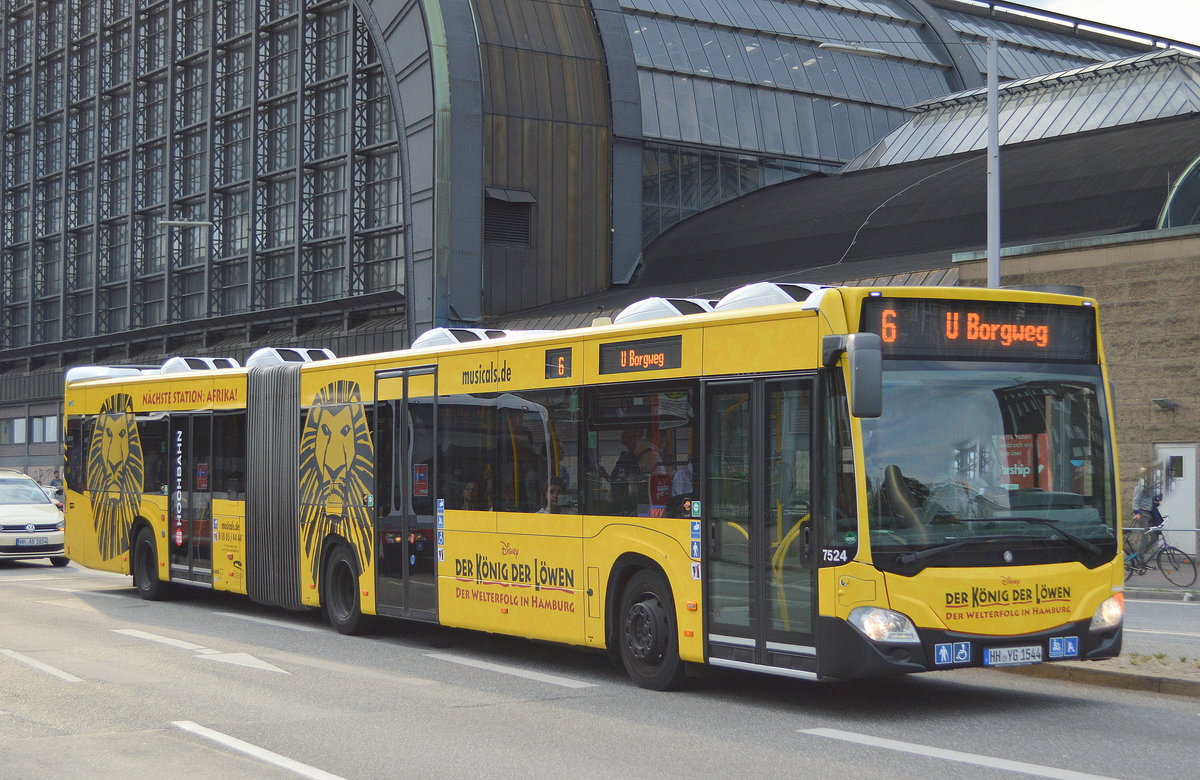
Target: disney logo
(507,549)
(1009,581)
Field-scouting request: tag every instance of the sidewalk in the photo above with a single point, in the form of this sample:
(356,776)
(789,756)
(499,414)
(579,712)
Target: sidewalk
(1134,672)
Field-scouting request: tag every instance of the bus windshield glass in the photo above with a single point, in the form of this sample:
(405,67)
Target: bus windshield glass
(989,464)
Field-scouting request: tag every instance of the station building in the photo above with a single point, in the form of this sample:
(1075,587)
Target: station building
(207,177)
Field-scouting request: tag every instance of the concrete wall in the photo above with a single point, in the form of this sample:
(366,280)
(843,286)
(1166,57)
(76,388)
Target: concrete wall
(1148,288)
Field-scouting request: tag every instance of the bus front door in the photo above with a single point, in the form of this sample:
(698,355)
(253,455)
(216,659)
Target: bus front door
(406,507)
(189,497)
(761,597)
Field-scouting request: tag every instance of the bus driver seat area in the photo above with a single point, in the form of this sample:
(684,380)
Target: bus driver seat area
(903,503)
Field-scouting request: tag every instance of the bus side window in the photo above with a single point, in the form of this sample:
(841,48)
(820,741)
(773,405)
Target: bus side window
(636,438)
(229,456)
(79,433)
(152,432)
(841,505)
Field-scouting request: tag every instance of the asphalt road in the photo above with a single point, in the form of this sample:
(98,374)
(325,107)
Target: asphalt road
(95,682)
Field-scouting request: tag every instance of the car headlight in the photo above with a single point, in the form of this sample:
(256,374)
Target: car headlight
(61,524)
(1109,613)
(884,625)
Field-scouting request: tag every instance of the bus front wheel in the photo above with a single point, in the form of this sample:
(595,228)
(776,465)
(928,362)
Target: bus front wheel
(339,593)
(145,568)
(647,634)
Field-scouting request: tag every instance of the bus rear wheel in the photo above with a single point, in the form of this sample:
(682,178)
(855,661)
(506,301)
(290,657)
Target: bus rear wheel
(646,633)
(145,568)
(339,593)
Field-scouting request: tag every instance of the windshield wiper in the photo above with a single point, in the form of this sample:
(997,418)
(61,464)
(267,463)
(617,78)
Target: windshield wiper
(1078,541)
(912,557)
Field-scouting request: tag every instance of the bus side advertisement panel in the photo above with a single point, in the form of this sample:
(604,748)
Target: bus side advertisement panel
(229,545)
(518,584)
(337,477)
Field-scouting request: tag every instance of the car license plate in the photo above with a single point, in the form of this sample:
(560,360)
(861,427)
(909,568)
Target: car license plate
(1012,656)
(32,541)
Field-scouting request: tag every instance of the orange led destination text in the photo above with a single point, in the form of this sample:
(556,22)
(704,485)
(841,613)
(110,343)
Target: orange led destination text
(635,359)
(1005,333)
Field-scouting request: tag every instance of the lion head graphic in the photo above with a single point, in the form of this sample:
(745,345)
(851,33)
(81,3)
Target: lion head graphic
(336,472)
(115,470)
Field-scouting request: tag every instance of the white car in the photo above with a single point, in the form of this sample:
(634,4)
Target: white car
(31,523)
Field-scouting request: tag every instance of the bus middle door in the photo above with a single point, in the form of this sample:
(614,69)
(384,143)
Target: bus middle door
(761,597)
(406,507)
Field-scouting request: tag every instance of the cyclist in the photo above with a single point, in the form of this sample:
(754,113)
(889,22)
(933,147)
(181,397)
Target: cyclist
(1154,522)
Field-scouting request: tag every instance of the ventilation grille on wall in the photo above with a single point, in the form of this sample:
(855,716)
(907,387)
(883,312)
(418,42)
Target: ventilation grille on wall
(506,217)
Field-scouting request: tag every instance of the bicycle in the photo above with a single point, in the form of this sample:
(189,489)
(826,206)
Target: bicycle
(1176,565)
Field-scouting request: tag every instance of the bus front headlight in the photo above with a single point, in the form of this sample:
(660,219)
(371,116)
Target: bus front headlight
(884,625)
(1109,613)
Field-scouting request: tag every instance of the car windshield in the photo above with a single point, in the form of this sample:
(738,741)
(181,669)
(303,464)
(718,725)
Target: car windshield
(989,464)
(21,491)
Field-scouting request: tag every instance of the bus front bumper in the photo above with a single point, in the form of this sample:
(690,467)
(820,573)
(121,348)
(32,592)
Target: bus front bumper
(843,652)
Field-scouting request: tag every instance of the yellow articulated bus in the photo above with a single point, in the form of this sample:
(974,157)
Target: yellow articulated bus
(854,482)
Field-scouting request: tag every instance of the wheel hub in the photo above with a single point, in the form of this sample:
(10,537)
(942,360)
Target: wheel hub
(645,631)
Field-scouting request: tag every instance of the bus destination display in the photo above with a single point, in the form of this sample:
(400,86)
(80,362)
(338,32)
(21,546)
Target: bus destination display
(981,330)
(623,357)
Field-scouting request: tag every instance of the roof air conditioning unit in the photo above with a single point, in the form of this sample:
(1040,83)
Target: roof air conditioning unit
(766,294)
(661,308)
(274,356)
(180,364)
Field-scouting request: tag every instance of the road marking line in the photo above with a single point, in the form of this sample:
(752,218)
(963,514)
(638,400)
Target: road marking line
(244,659)
(952,755)
(254,751)
(1160,631)
(269,622)
(166,640)
(546,678)
(86,592)
(36,664)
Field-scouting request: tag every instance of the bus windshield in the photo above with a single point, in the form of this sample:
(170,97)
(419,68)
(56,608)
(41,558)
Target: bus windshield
(992,464)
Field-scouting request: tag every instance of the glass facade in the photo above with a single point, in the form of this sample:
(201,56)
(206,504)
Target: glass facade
(1025,50)
(747,78)
(1183,205)
(268,122)
(1136,89)
(678,182)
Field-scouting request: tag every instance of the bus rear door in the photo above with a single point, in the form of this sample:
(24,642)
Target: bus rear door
(761,597)
(189,459)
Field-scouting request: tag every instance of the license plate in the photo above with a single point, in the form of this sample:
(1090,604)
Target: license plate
(32,541)
(1012,656)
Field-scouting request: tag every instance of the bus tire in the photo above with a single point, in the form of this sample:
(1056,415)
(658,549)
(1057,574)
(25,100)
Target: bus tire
(145,568)
(59,561)
(647,634)
(339,593)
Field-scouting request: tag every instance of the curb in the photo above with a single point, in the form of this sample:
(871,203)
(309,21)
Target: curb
(1175,594)
(1111,678)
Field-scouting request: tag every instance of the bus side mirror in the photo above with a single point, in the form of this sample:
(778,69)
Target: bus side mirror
(864,352)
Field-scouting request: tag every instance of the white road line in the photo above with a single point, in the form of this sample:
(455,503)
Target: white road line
(546,678)
(166,640)
(254,751)
(269,622)
(36,664)
(86,592)
(1160,631)
(953,755)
